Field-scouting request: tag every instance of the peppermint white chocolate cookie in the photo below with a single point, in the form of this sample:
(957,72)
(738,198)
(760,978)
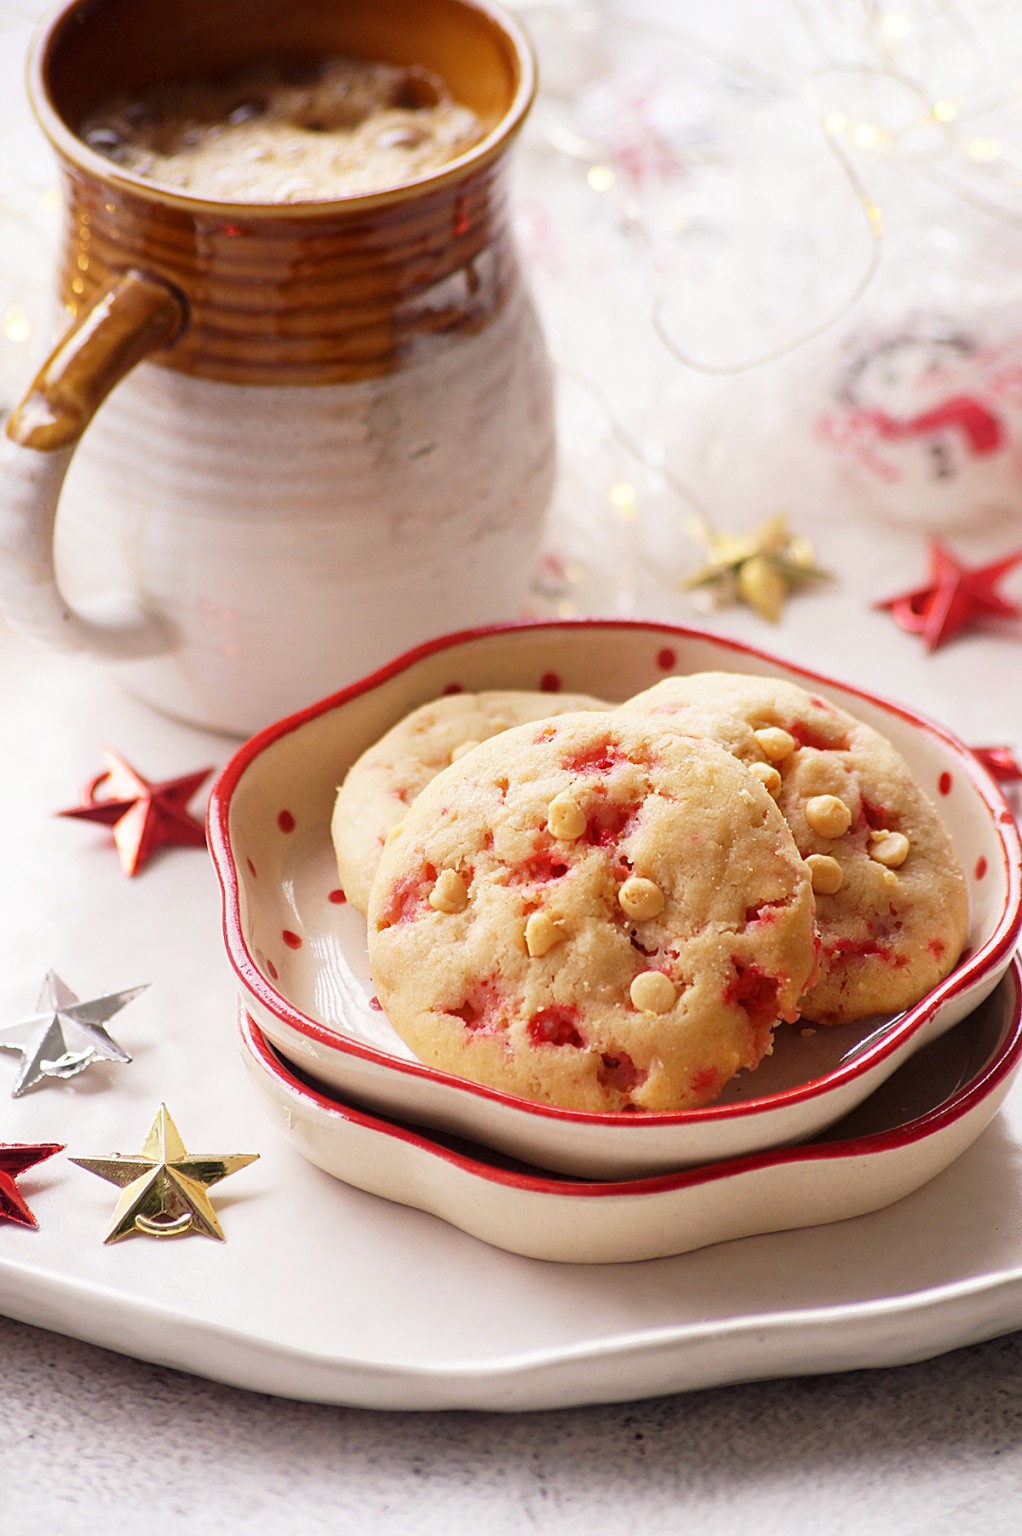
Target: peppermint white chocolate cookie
(595,912)
(892,906)
(381,784)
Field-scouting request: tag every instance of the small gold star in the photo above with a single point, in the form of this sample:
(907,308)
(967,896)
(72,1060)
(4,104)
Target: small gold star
(760,569)
(164,1189)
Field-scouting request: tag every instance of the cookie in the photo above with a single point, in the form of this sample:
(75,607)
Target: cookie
(891,900)
(381,785)
(593,912)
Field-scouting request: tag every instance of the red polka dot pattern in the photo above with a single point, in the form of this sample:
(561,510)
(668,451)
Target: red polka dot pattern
(944,783)
(285,821)
(550,682)
(454,688)
(981,867)
(338,897)
(665,658)
(292,940)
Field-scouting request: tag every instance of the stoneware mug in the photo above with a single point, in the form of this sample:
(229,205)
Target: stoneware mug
(288,441)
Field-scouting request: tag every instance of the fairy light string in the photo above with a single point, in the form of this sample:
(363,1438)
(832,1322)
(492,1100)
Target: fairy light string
(912,83)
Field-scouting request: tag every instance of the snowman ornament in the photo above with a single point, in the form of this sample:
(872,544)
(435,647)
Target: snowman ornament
(925,425)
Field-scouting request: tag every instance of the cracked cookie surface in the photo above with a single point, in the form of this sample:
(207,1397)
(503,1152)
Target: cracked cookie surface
(594,912)
(382,783)
(892,906)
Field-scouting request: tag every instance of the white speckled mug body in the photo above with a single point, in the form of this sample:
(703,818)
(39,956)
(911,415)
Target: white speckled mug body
(294,538)
(279,444)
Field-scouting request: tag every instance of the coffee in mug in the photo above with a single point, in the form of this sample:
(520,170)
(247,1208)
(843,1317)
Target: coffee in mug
(277,135)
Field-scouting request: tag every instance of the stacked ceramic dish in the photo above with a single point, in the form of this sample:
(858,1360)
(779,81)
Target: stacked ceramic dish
(836,1122)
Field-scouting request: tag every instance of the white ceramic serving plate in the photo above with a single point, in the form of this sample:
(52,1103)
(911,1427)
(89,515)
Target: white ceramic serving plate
(916,1124)
(325,1293)
(299,953)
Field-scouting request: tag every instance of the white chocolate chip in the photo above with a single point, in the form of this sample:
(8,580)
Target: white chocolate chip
(449,893)
(889,848)
(652,992)
(774,743)
(827,874)
(640,898)
(828,816)
(768,776)
(463,747)
(541,934)
(565,818)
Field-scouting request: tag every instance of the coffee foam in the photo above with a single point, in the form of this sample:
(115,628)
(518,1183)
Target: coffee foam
(280,134)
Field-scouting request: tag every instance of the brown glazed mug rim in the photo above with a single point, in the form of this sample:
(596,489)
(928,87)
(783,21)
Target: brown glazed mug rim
(74,151)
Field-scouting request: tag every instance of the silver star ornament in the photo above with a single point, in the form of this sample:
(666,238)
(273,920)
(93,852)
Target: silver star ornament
(65,1036)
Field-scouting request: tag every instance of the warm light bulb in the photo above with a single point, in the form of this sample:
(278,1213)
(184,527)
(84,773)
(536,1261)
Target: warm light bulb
(982,149)
(622,499)
(896,25)
(945,111)
(17,326)
(866,135)
(835,122)
(600,178)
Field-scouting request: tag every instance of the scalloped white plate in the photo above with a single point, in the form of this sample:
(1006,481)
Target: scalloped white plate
(915,1125)
(300,958)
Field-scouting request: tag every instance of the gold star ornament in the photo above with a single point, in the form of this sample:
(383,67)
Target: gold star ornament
(761,569)
(164,1188)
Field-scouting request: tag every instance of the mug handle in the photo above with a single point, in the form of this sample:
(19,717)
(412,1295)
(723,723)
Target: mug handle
(134,317)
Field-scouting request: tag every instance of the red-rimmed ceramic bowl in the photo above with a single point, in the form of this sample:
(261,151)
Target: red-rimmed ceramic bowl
(300,954)
(922,1118)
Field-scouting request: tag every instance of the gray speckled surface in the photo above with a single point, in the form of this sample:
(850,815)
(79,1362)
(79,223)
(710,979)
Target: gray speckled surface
(93,1442)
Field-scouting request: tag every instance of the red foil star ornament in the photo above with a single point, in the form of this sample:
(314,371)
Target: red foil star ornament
(145,814)
(1000,763)
(955,598)
(16,1158)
